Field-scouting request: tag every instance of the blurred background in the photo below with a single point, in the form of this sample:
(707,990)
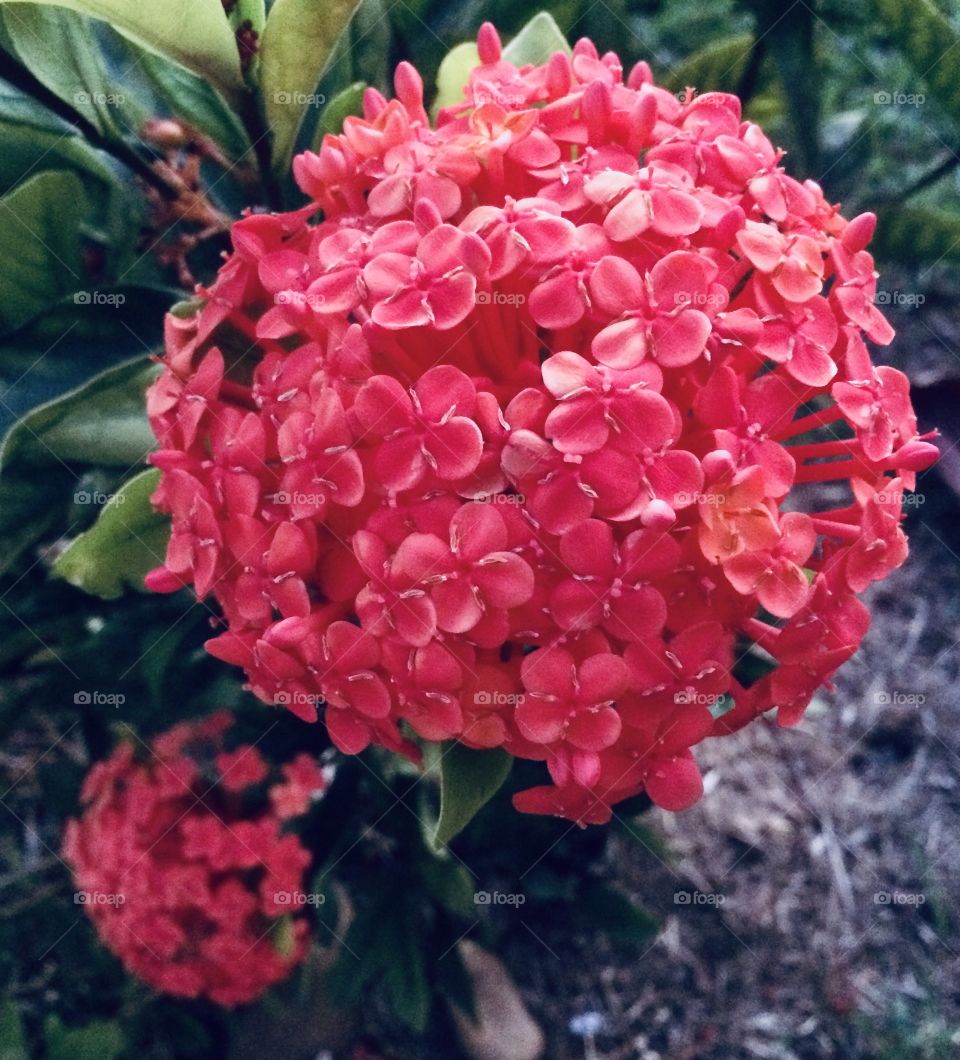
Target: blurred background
(806,908)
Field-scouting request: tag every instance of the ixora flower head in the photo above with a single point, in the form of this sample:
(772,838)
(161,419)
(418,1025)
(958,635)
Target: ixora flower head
(185,883)
(510,436)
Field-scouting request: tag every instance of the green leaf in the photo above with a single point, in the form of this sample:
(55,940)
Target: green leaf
(76,70)
(194,33)
(96,1041)
(449,883)
(468,780)
(31,134)
(343,104)
(13,1042)
(40,232)
(929,42)
(406,973)
(102,422)
(194,100)
(718,67)
(296,47)
(126,541)
(454,73)
(252,11)
(536,42)
(612,912)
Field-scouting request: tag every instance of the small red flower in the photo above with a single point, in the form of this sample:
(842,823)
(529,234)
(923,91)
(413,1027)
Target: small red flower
(184,882)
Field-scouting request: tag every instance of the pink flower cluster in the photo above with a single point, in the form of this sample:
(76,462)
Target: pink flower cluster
(503,438)
(187,886)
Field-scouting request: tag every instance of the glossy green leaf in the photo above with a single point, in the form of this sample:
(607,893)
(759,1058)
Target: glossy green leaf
(194,33)
(40,222)
(454,73)
(71,344)
(197,102)
(34,138)
(297,44)
(468,780)
(103,422)
(536,42)
(252,11)
(343,104)
(406,974)
(128,539)
(75,70)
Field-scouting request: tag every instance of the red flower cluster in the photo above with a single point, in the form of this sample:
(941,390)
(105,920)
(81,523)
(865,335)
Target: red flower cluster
(188,887)
(504,435)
